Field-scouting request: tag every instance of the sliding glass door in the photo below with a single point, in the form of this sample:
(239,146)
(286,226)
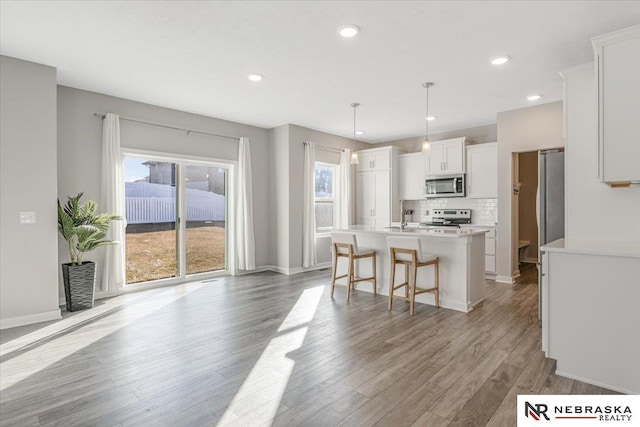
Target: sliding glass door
(176,218)
(205,222)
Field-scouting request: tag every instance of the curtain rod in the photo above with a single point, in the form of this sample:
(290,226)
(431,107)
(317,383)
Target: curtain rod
(170,127)
(324,147)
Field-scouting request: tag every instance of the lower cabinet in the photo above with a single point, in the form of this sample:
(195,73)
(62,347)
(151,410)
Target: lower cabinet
(490,251)
(490,240)
(590,313)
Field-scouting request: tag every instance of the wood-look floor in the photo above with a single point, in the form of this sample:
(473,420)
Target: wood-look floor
(268,349)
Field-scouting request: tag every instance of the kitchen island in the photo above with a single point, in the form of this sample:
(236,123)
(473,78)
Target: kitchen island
(461,253)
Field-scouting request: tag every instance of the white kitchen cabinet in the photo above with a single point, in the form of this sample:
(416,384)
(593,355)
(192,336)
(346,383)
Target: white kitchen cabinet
(372,160)
(579,316)
(447,157)
(411,174)
(618,66)
(490,240)
(376,192)
(482,171)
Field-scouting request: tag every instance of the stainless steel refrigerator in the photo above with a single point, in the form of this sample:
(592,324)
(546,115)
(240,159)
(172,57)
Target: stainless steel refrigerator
(550,204)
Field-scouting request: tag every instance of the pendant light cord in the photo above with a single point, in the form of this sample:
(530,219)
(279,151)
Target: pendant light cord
(427,85)
(354,126)
(354,105)
(426,120)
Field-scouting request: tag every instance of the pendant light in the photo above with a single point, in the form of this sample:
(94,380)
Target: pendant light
(354,153)
(426,145)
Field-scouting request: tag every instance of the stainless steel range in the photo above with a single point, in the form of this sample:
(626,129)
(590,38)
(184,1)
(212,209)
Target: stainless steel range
(449,218)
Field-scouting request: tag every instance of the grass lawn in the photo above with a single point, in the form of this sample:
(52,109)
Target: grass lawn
(152,255)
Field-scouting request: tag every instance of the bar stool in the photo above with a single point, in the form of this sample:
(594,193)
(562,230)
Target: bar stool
(346,246)
(407,251)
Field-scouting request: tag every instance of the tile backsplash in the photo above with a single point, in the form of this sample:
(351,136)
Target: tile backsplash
(484,211)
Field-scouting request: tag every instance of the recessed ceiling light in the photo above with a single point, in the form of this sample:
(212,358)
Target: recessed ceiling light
(359,132)
(533,97)
(255,77)
(500,60)
(349,31)
(430,118)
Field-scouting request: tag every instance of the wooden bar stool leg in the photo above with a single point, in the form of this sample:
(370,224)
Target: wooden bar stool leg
(350,278)
(335,269)
(413,289)
(375,276)
(406,280)
(437,282)
(391,281)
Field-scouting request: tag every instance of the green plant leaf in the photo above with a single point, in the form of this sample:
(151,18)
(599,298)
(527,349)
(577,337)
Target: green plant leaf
(82,228)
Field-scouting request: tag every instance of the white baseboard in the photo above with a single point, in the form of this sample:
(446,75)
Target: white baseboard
(596,383)
(458,306)
(256,270)
(13,322)
(505,279)
(297,270)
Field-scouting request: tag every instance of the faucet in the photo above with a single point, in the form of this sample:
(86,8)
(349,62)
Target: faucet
(405,212)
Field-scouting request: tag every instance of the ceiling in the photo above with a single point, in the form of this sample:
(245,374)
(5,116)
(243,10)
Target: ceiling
(195,56)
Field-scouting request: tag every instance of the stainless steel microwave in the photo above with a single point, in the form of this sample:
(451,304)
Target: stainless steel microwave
(444,186)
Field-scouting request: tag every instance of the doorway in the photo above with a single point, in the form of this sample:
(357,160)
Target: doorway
(176,212)
(527,190)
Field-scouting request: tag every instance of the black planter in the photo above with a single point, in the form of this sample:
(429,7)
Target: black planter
(79,285)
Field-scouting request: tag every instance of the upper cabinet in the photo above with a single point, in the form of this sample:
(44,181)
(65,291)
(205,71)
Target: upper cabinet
(411,174)
(374,159)
(618,67)
(482,171)
(447,157)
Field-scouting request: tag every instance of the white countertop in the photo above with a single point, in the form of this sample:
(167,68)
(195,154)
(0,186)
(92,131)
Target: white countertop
(594,247)
(447,232)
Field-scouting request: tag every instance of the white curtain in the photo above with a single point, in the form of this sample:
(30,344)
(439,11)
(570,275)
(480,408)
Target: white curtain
(308,209)
(343,193)
(245,239)
(112,186)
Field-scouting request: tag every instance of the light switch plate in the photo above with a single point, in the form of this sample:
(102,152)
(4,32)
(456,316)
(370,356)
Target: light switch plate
(27,217)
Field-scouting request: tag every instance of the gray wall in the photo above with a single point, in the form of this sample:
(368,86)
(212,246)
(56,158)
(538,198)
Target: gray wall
(524,129)
(79,149)
(28,252)
(279,142)
(288,158)
(476,135)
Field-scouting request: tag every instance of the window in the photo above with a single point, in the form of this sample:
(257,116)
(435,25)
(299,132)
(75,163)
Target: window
(325,184)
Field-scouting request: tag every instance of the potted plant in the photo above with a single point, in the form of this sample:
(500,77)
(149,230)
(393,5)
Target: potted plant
(84,231)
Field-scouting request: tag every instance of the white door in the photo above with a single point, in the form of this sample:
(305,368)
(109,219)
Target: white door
(436,159)
(382,199)
(454,157)
(411,176)
(365,162)
(482,171)
(365,197)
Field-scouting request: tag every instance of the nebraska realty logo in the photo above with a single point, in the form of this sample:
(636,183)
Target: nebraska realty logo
(578,410)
